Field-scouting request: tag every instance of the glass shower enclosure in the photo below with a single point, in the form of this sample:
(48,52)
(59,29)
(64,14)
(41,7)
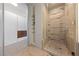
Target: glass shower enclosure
(13,28)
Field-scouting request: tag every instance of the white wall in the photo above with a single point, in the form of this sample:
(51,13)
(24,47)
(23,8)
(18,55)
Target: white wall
(15,19)
(39,18)
(22,23)
(20,10)
(10,25)
(38,25)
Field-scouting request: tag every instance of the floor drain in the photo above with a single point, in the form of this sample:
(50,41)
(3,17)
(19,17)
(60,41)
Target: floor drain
(73,54)
(60,48)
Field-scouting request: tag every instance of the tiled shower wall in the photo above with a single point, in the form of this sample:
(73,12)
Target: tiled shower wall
(70,16)
(56,28)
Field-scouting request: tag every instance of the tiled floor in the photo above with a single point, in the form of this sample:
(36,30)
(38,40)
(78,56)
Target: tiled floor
(32,51)
(53,47)
(57,48)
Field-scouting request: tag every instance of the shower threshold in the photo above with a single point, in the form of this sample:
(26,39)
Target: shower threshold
(57,48)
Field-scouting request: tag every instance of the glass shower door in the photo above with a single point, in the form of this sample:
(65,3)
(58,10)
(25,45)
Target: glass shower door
(1,29)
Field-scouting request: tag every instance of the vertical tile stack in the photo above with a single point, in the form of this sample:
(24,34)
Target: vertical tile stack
(56,26)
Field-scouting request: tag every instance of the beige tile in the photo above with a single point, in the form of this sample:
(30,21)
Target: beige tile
(32,51)
(57,48)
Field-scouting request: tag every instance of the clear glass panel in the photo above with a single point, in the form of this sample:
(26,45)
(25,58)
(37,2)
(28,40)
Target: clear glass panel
(15,19)
(1,29)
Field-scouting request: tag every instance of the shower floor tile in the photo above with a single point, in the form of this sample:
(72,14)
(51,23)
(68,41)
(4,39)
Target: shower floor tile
(57,48)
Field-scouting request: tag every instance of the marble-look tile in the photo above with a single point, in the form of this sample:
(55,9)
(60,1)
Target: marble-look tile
(57,48)
(32,51)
